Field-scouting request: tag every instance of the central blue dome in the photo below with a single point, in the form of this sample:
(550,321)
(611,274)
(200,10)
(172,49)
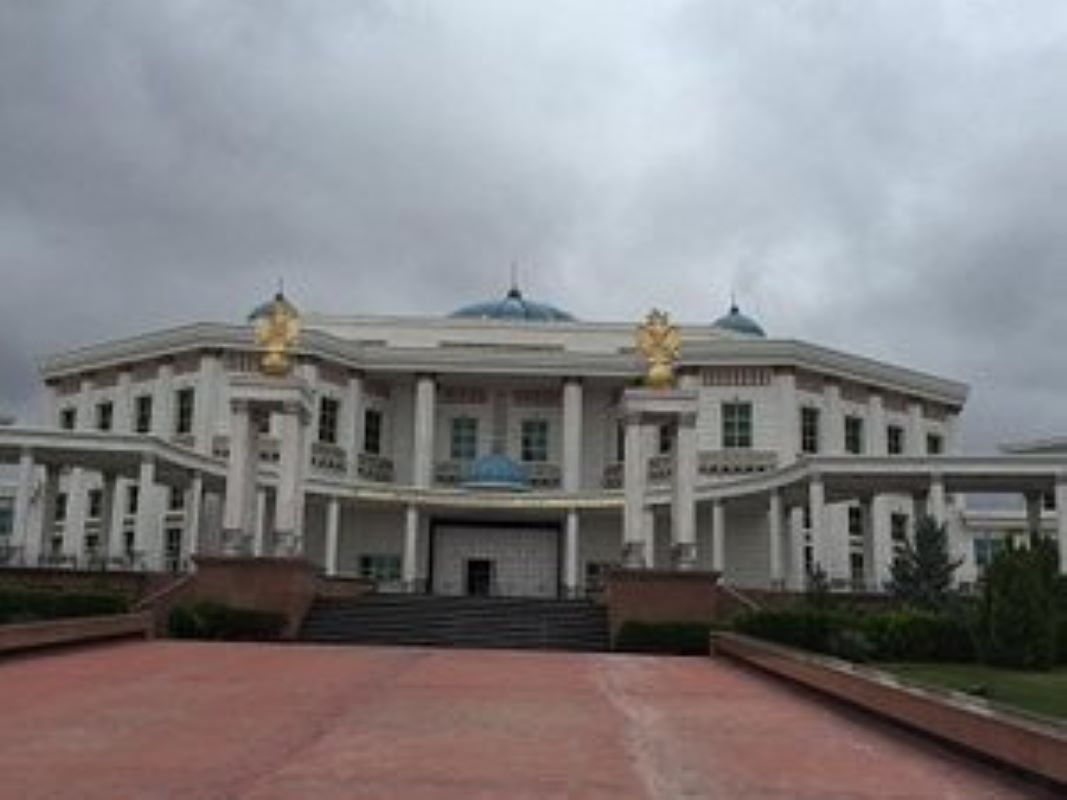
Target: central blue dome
(497,471)
(513,306)
(739,323)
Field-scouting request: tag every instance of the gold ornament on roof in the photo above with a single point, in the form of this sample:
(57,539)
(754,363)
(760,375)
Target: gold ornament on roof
(660,344)
(277,331)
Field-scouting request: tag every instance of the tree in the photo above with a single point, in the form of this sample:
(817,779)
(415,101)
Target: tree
(922,572)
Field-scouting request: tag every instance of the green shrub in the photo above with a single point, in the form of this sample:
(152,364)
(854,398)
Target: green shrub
(807,628)
(673,638)
(1018,617)
(209,620)
(908,635)
(29,605)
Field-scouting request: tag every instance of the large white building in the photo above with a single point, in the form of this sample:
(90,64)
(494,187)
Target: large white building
(495,450)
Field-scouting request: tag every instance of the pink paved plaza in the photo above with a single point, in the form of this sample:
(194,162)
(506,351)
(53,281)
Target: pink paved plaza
(176,720)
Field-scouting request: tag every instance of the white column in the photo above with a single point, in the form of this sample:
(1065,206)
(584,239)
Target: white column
(77,507)
(239,512)
(789,413)
(936,500)
(572,435)
(718,536)
(797,574)
(116,545)
(40,545)
(1061,520)
(819,524)
(108,530)
(683,508)
(23,494)
(869,555)
(259,536)
(1034,502)
(194,509)
(881,541)
(288,500)
(148,536)
(333,525)
(914,440)
(425,402)
(635,473)
(352,413)
(209,383)
(774,534)
(409,563)
(570,555)
(648,524)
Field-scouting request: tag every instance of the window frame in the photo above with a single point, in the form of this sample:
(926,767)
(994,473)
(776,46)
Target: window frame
(736,424)
(855,439)
(372,433)
(184,410)
(533,440)
(809,433)
(463,438)
(329,414)
(895,440)
(142,413)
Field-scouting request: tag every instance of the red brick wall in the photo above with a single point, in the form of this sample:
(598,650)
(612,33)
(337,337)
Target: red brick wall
(650,595)
(133,585)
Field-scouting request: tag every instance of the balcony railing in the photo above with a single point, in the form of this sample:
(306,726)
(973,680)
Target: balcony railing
(542,475)
(329,458)
(371,467)
(710,464)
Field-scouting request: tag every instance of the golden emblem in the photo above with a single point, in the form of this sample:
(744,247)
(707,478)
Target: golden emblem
(277,330)
(660,343)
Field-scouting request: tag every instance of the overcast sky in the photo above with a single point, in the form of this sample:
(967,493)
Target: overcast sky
(889,178)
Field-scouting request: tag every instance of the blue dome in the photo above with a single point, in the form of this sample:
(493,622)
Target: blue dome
(264,309)
(739,323)
(513,306)
(497,471)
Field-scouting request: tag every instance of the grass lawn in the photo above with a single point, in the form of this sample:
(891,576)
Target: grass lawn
(1041,692)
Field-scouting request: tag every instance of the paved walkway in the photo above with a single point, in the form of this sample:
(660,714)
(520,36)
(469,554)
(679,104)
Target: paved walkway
(177,720)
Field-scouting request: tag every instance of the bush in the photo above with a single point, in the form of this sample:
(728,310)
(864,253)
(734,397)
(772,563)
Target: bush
(29,605)
(904,635)
(1018,617)
(208,620)
(672,638)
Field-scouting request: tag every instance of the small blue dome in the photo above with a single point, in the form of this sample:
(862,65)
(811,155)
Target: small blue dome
(513,306)
(264,309)
(497,471)
(739,323)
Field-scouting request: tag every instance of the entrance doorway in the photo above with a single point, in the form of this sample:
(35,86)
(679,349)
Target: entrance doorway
(479,577)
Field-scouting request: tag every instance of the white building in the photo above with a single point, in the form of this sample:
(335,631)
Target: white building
(483,452)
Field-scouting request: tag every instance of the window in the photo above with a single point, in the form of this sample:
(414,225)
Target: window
(595,573)
(620,442)
(131,500)
(1048,501)
(96,503)
(176,500)
(736,425)
(534,440)
(464,445)
(7,520)
(61,507)
(985,550)
(183,418)
(898,531)
(172,549)
(855,525)
(894,440)
(372,431)
(104,414)
(380,567)
(329,409)
(853,435)
(261,421)
(809,430)
(142,413)
(68,418)
(664,443)
(935,445)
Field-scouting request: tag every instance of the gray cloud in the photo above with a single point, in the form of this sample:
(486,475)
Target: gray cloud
(885,177)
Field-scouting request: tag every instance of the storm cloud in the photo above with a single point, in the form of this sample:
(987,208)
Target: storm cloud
(887,178)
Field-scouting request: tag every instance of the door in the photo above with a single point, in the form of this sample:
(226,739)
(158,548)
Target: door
(479,577)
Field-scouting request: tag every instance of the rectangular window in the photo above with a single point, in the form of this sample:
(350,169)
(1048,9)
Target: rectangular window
(985,550)
(176,500)
(534,440)
(380,567)
(898,531)
(61,507)
(131,500)
(464,444)
(736,425)
(372,431)
(142,414)
(96,503)
(172,549)
(7,520)
(104,415)
(185,400)
(855,524)
(894,440)
(620,442)
(809,430)
(935,445)
(663,446)
(854,435)
(68,419)
(329,410)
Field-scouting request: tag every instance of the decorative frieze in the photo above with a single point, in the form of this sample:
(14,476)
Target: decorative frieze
(736,376)
(462,396)
(535,398)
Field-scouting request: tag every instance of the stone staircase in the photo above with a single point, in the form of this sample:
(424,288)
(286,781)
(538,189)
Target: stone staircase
(491,622)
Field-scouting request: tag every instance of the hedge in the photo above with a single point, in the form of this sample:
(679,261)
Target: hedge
(904,635)
(668,638)
(208,620)
(29,605)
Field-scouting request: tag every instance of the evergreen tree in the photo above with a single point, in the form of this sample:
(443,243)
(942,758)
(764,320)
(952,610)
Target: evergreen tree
(922,572)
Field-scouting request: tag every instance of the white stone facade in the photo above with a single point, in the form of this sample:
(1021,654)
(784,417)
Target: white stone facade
(793,455)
